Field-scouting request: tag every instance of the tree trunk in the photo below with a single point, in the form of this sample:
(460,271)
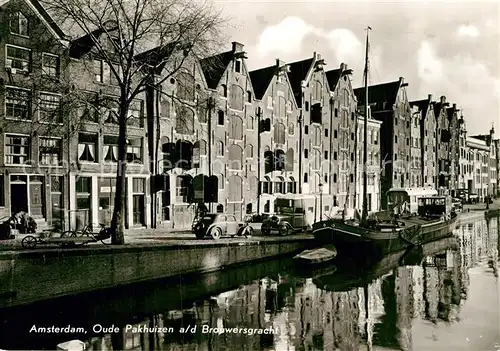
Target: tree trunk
(118,220)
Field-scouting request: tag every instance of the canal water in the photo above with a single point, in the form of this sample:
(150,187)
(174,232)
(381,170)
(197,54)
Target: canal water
(443,296)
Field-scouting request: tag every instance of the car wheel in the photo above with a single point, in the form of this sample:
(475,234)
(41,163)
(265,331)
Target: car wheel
(216,233)
(284,230)
(199,235)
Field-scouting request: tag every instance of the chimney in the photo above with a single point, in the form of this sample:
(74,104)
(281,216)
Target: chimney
(430,97)
(442,99)
(280,63)
(401,80)
(454,107)
(317,56)
(237,47)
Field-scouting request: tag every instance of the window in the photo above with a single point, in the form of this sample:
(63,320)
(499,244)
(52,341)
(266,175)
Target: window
(17,149)
(235,184)
(18,58)
(110,148)
(184,119)
(396,139)
(306,129)
(305,178)
(220,118)
(185,86)
(249,96)
(134,150)
(237,66)
(17,103)
(235,157)
(50,65)
(316,136)
(49,150)
(281,106)
(135,114)
(279,133)
(317,90)
(289,106)
(250,122)
(237,99)
(220,148)
(326,132)
(306,153)
(270,102)
(49,108)
(223,91)
(19,24)
(335,133)
(98,74)
(291,129)
(236,128)
(87,146)
(249,151)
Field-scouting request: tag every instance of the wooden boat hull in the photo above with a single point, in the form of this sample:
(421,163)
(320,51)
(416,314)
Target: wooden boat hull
(316,256)
(355,241)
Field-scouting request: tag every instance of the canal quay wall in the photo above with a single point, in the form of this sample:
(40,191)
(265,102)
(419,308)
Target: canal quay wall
(30,276)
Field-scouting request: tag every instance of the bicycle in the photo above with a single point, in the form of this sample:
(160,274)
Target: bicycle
(87,231)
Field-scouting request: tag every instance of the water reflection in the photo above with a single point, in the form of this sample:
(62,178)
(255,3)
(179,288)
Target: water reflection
(407,301)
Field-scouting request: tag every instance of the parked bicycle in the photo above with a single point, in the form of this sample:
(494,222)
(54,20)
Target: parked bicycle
(87,231)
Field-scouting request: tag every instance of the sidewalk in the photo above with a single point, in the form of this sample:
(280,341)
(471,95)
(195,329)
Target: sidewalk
(482,206)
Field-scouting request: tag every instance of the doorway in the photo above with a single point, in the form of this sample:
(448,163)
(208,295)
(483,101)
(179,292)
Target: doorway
(18,194)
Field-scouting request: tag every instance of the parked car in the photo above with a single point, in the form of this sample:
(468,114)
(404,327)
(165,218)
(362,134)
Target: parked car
(457,204)
(217,225)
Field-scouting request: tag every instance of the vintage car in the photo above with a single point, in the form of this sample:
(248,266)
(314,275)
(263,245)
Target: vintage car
(291,215)
(216,225)
(255,221)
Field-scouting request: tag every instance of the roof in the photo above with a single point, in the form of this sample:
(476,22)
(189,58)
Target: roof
(155,57)
(423,105)
(50,21)
(213,67)
(261,78)
(84,44)
(298,72)
(333,77)
(381,96)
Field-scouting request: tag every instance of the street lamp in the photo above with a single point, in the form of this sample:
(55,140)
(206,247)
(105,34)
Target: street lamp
(320,186)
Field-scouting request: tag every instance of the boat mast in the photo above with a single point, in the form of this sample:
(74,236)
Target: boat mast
(364,212)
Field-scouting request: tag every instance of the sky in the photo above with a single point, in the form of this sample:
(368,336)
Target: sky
(449,48)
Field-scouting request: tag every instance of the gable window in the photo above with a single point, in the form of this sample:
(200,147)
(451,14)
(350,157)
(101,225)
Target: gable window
(185,86)
(87,146)
(17,149)
(19,24)
(17,103)
(291,128)
(249,151)
(18,58)
(250,122)
(184,120)
(236,128)
(49,108)
(50,65)
(224,90)
(134,150)
(49,150)
(317,90)
(135,114)
(281,106)
(237,66)
(249,96)
(237,99)
(279,133)
(288,106)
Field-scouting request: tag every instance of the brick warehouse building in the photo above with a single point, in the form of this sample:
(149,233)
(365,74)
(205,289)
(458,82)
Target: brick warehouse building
(389,104)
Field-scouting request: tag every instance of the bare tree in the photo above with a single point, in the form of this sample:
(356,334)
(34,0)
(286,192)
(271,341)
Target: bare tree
(122,34)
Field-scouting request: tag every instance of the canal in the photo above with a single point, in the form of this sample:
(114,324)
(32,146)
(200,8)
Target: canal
(442,296)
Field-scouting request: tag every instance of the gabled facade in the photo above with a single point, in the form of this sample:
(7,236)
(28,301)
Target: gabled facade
(479,159)
(389,104)
(278,143)
(454,148)
(427,140)
(342,138)
(179,116)
(491,168)
(94,141)
(33,79)
(234,131)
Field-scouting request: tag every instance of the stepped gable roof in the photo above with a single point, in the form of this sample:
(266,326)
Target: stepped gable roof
(298,72)
(381,96)
(213,67)
(261,78)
